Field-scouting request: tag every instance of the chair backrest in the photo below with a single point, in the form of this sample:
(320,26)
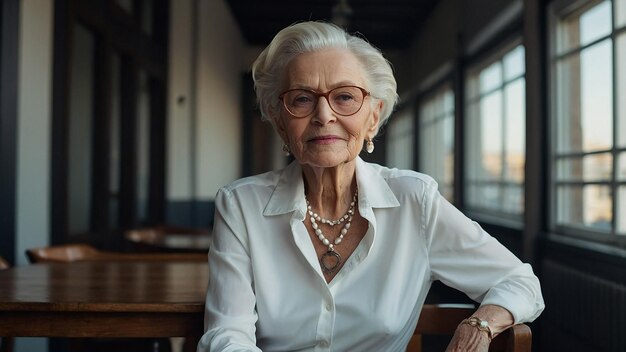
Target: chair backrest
(443,320)
(75,252)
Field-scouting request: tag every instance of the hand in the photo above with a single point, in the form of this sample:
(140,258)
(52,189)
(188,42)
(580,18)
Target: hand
(468,339)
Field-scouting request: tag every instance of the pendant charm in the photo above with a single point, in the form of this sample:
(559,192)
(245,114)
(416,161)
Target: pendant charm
(330,261)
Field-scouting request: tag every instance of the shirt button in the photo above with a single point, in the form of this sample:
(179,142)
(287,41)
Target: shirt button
(329,306)
(324,344)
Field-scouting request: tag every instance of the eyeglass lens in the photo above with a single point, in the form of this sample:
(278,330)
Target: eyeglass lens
(344,101)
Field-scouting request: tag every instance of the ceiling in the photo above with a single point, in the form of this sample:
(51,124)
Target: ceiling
(387,24)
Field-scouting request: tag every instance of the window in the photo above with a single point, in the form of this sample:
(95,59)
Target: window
(495,147)
(588,70)
(436,139)
(400,136)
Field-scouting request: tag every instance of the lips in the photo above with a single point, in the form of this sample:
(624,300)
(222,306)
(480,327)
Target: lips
(327,139)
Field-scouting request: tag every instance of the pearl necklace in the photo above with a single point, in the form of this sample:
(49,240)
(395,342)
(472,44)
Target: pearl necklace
(331,260)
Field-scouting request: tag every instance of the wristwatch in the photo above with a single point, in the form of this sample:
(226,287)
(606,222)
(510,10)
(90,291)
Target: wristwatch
(479,324)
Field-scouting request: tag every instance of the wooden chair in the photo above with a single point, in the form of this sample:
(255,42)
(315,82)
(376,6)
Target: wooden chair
(6,343)
(75,252)
(443,320)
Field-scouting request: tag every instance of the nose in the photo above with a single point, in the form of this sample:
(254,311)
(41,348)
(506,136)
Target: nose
(323,113)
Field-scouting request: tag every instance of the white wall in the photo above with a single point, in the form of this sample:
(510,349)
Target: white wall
(179,120)
(204,132)
(219,78)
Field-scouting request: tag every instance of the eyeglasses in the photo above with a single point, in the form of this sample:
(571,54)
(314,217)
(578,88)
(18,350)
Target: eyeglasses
(344,100)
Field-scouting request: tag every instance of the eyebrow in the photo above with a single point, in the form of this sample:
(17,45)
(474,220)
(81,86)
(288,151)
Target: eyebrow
(332,86)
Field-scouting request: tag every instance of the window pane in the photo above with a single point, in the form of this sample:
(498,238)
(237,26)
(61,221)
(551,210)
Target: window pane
(597,96)
(491,133)
(80,127)
(595,23)
(436,139)
(472,90)
(448,101)
(400,148)
(491,77)
(473,132)
(514,199)
(569,132)
(427,112)
(621,167)
(488,196)
(515,130)
(620,13)
(588,206)
(584,100)
(595,167)
(514,63)
(448,136)
(621,87)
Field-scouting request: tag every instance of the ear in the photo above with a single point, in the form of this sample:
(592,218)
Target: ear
(375,119)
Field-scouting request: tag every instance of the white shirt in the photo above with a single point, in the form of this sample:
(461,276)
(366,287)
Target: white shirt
(267,291)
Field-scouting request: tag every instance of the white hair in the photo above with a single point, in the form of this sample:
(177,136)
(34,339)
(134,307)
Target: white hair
(311,36)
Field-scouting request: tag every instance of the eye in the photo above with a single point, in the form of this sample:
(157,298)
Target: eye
(301,98)
(343,97)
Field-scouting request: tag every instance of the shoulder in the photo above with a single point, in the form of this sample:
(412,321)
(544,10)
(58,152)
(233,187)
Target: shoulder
(403,181)
(261,180)
(250,185)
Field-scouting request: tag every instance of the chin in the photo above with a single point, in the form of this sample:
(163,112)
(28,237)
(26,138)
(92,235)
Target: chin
(327,161)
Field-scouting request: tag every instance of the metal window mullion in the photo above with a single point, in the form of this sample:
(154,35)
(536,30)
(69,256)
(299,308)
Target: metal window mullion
(582,154)
(579,49)
(614,189)
(577,183)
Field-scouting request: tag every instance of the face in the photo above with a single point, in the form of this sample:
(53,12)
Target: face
(325,138)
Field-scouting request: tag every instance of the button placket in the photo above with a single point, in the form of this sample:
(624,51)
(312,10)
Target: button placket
(326,323)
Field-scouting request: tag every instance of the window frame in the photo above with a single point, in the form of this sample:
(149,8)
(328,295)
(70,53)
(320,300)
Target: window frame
(495,52)
(555,12)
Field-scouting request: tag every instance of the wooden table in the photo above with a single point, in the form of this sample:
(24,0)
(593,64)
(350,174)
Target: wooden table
(104,299)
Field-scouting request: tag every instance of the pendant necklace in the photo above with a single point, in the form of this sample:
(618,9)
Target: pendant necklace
(331,260)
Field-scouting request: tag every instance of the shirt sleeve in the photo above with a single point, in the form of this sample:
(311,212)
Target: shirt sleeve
(463,256)
(230,314)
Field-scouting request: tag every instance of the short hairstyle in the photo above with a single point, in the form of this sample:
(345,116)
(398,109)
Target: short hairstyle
(312,36)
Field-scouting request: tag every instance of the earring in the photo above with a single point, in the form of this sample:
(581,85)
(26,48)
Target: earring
(286,149)
(369,147)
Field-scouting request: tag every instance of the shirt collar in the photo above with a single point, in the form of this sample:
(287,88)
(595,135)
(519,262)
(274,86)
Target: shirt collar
(288,195)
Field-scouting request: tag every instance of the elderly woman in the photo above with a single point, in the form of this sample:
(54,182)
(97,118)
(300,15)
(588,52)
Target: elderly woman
(333,253)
